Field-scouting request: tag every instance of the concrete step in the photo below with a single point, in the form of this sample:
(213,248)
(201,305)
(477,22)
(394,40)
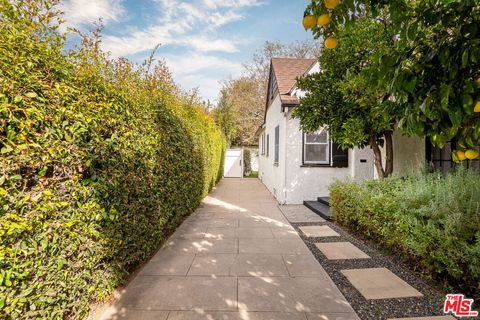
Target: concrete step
(319,208)
(324,200)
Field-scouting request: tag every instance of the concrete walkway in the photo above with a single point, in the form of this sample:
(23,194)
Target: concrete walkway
(236,257)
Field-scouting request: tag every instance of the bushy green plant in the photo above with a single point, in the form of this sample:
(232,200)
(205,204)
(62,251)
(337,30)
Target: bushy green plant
(247,162)
(431,220)
(100,160)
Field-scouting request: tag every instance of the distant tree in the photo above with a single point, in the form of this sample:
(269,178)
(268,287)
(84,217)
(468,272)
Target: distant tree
(241,105)
(342,97)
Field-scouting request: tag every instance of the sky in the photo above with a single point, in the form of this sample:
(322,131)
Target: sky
(202,41)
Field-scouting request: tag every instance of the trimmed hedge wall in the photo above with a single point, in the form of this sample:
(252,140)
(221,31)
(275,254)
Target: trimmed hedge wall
(100,160)
(431,221)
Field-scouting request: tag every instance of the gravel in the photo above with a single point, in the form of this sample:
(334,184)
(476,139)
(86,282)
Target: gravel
(431,304)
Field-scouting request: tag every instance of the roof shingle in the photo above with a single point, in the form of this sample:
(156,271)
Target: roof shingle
(287,70)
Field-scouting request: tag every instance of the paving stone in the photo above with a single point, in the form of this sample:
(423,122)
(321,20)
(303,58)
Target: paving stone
(190,231)
(259,265)
(264,233)
(304,265)
(332,316)
(290,295)
(212,264)
(202,246)
(285,233)
(319,231)
(273,246)
(125,314)
(380,283)
(341,250)
(168,263)
(181,293)
(207,315)
(262,222)
(426,318)
(300,213)
(220,233)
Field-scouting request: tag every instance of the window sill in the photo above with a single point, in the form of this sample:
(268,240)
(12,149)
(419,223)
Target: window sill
(315,165)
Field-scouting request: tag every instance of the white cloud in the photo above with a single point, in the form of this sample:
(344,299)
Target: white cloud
(202,71)
(82,12)
(231,3)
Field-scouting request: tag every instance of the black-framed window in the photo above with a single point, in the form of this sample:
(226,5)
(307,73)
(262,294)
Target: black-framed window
(316,147)
(267,145)
(277,144)
(441,158)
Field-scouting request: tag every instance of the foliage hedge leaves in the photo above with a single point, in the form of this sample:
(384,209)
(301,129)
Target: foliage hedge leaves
(99,161)
(432,221)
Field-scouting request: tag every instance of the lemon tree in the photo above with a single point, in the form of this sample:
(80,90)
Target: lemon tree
(434,69)
(342,97)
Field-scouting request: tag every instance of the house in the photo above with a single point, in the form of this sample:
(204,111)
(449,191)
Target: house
(297,166)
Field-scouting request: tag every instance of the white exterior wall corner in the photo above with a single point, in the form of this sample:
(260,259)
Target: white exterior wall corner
(307,183)
(408,154)
(272,176)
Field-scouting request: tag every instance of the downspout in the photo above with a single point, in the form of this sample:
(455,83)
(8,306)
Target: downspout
(285,115)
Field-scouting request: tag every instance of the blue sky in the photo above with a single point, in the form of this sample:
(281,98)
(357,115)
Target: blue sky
(202,41)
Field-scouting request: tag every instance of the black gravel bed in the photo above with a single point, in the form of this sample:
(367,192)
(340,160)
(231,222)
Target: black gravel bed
(431,304)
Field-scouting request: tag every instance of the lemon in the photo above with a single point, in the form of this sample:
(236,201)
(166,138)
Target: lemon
(471,154)
(477,106)
(331,43)
(331,4)
(323,20)
(461,155)
(309,22)
(477,82)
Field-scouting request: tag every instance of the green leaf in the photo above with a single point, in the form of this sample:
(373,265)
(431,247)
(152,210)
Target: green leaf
(6,149)
(465,58)
(3,192)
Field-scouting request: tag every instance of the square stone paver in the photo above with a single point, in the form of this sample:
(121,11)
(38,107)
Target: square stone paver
(290,295)
(202,245)
(380,283)
(126,314)
(212,264)
(273,246)
(285,233)
(181,293)
(168,263)
(300,213)
(220,233)
(319,231)
(262,233)
(304,265)
(207,315)
(341,250)
(259,265)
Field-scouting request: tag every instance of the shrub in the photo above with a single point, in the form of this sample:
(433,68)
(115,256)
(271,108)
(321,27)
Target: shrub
(247,162)
(430,220)
(100,160)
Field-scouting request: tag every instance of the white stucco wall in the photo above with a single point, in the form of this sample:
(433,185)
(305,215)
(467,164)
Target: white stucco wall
(271,175)
(306,183)
(408,154)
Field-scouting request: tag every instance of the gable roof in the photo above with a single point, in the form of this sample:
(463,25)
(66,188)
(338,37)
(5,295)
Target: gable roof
(286,71)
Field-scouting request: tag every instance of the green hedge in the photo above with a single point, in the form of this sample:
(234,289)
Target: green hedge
(100,161)
(431,221)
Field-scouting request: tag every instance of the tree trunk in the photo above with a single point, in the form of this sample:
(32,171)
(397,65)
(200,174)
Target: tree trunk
(388,153)
(377,156)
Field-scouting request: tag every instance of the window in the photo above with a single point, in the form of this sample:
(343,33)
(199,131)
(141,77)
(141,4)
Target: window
(267,146)
(277,138)
(316,147)
(263,143)
(441,159)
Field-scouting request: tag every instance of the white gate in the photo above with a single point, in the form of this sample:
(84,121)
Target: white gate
(233,164)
